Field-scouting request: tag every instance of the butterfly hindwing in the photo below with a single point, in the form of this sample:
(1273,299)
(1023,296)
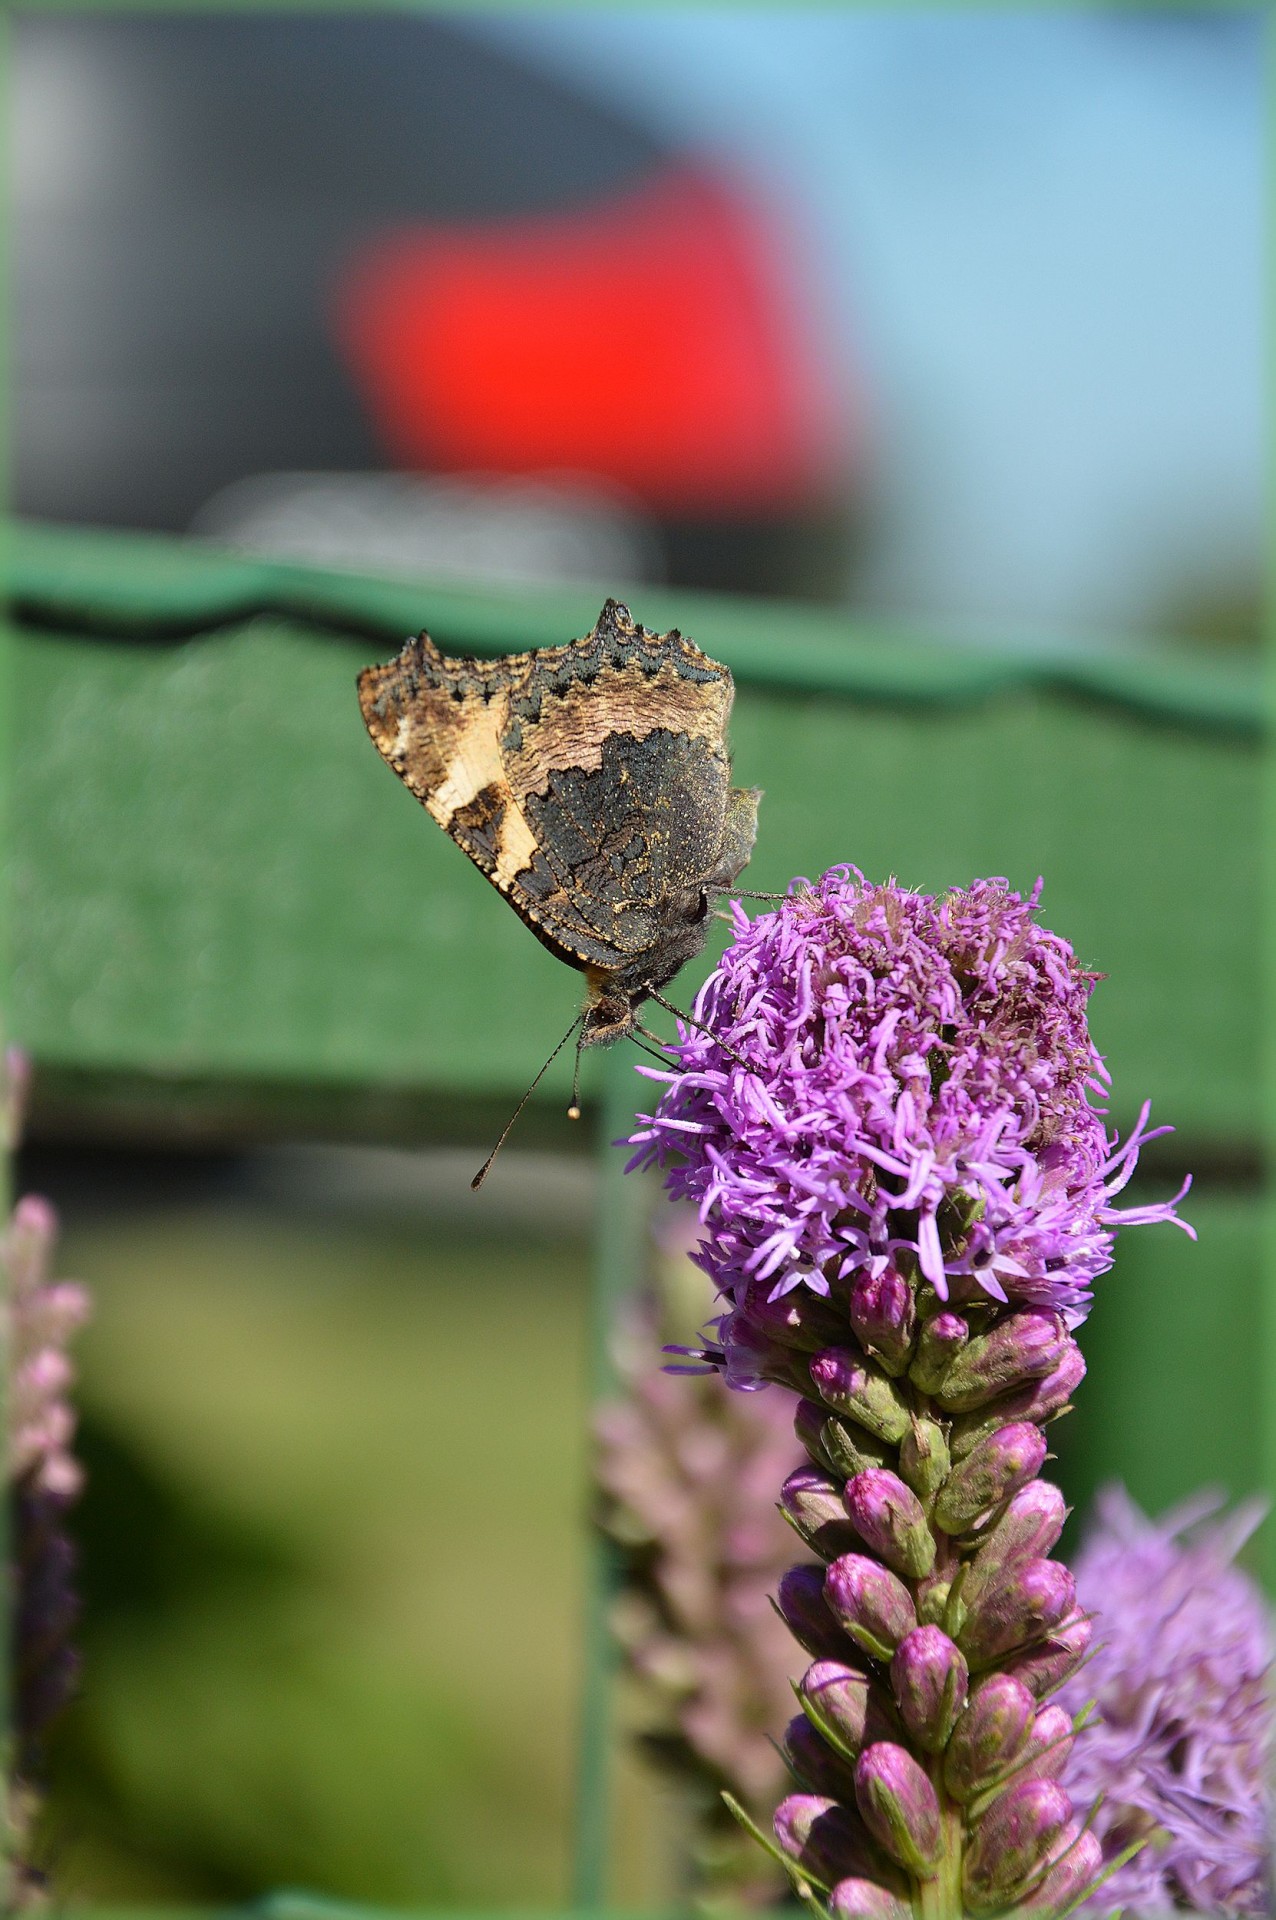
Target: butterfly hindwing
(589,782)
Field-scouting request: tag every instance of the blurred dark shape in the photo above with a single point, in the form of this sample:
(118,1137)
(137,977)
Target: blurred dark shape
(652,339)
(193,194)
(188,191)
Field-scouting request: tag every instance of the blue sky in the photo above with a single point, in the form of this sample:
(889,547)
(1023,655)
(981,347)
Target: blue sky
(1042,233)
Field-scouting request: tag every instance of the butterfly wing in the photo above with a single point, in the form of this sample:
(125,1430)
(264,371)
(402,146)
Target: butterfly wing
(588,782)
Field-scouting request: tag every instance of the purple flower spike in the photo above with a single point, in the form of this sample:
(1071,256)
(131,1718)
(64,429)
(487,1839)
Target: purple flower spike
(889,1121)
(907,1055)
(900,1806)
(1181,1676)
(890,1521)
(874,1606)
(930,1679)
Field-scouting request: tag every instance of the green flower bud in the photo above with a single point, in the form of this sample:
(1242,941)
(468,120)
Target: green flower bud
(888,1517)
(938,1344)
(1022,1346)
(851,1450)
(873,1606)
(996,1468)
(856,1387)
(924,1460)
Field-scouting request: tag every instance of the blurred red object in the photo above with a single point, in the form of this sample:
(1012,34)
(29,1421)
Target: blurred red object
(656,341)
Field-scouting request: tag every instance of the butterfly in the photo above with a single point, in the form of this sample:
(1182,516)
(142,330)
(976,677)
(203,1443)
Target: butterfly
(591,784)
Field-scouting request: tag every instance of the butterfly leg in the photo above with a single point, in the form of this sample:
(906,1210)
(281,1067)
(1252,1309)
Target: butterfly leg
(699,1025)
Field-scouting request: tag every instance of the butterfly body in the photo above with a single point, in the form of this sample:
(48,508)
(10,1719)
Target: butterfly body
(590,783)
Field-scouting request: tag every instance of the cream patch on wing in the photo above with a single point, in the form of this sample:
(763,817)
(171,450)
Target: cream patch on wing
(515,846)
(574,725)
(471,757)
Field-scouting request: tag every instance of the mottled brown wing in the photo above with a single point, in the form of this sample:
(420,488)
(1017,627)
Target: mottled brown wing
(588,782)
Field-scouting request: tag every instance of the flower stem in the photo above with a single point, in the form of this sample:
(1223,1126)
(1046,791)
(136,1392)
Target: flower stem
(940,1897)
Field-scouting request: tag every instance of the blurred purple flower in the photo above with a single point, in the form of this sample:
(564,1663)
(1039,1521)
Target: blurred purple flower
(690,1475)
(1181,1677)
(44,1479)
(921,1082)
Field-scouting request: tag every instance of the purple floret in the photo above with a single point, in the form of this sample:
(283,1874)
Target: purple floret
(920,1081)
(1180,1752)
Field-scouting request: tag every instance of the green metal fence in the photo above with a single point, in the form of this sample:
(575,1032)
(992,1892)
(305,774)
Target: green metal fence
(228,923)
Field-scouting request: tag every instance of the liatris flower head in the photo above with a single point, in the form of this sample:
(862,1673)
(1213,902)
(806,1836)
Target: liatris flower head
(921,1088)
(1181,1677)
(887,1116)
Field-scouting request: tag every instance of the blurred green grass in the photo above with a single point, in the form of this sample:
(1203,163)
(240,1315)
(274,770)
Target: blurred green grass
(333,1565)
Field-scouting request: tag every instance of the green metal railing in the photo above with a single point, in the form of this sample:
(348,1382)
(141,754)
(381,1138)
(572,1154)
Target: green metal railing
(228,923)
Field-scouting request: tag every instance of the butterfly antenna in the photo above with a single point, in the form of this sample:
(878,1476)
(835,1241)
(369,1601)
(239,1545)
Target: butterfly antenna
(573,1112)
(482,1173)
(699,1025)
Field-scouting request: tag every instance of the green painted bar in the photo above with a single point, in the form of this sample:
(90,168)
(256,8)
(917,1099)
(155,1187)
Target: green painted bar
(216,879)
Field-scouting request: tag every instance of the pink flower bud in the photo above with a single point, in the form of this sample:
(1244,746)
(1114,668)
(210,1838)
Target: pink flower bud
(1021,1347)
(1027,1530)
(808,1425)
(1079,1864)
(888,1516)
(884,1316)
(900,1806)
(990,1473)
(847,1706)
(990,1735)
(798,1319)
(865,1900)
(815,1765)
(1013,1843)
(1046,1754)
(1029,1600)
(938,1344)
(1057,1659)
(752,1355)
(856,1387)
(826,1838)
(929,1678)
(812,1500)
(1036,1400)
(801,1605)
(874,1607)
